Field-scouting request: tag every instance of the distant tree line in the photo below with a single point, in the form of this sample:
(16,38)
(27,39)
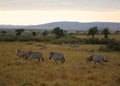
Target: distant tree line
(59,32)
(60,37)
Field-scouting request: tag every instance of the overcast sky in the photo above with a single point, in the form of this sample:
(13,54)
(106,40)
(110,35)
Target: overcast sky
(43,11)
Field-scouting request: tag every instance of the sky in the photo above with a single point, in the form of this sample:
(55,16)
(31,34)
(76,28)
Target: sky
(33,12)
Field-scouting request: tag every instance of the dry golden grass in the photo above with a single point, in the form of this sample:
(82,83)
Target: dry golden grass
(74,72)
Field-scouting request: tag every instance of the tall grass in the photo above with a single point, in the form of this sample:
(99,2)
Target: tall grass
(74,72)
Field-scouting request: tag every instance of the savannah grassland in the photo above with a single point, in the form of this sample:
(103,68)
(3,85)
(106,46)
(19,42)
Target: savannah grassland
(74,72)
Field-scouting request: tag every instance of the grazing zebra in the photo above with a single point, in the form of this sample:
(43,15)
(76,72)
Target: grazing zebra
(27,54)
(57,57)
(36,55)
(20,53)
(96,58)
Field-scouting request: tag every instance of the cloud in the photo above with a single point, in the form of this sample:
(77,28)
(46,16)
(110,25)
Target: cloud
(60,4)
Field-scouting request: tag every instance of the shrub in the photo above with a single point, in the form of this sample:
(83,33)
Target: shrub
(65,40)
(106,40)
(92,41)
(8,38)
(113,45)
(25,38)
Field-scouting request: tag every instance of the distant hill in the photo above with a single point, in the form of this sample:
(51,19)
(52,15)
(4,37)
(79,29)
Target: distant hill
(67,26)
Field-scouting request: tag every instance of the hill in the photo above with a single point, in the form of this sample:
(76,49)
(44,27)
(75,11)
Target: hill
(67,26)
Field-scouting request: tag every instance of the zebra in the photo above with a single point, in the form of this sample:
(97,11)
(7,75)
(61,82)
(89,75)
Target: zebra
(20,53)
(27,54)
(96,58)
(57,57)
(36,55)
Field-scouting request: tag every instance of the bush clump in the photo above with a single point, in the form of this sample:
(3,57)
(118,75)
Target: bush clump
(24,38)
(92,41)
(106,40)
(113,45)
(8,38)
(65,40)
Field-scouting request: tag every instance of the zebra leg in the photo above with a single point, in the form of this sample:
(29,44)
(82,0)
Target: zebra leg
(62,62)
(30,58)
(102,63)
(56,61)
(19,56)
(42,59)
(24,57)
(95,62)
(39,59)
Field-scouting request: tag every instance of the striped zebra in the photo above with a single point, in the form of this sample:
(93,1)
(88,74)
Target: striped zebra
(57,57)
(96,58)
(20,53)
(36,55)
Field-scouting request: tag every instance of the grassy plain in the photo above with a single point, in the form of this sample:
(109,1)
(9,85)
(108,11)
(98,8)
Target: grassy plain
(74,72)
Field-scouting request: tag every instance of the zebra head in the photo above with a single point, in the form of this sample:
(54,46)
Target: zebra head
(89,59)
(51,55)
(18,51)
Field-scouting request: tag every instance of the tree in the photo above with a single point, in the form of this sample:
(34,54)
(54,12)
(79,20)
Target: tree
(65,32)
(45,33)
(58,32)
(19,31)
(34,33)
(3,32)
(77,32)
(117,32)
(106,32)
(92,31)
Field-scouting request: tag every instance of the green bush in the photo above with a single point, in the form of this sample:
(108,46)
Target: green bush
(25,38)
(106,40)
(113,45)
(8,38)
(92,41)
(65,40)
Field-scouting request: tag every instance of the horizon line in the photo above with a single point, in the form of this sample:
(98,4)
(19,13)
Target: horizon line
(58,22)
